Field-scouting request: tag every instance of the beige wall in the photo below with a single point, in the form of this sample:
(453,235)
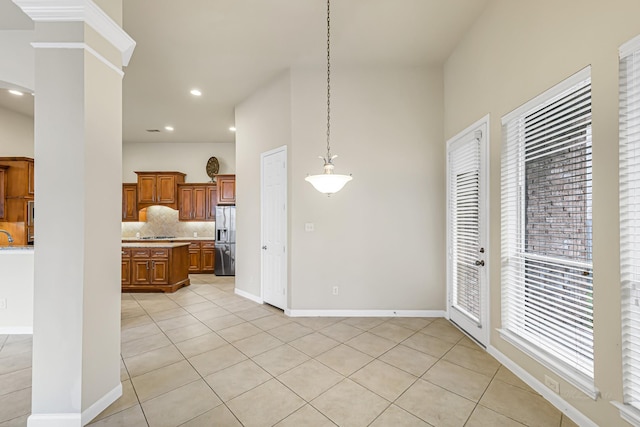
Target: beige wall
(515,51)
(264,123)
(17,60)
(381,239)
(16,134)
(189,158)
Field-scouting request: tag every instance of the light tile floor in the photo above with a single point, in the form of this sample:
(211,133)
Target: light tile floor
(206,357)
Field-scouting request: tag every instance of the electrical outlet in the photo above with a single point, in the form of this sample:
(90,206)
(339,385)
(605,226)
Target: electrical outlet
(3,303)
(335,290)
(309,226)
(552,384)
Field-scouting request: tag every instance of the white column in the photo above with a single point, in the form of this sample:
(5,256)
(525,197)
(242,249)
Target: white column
(79,53)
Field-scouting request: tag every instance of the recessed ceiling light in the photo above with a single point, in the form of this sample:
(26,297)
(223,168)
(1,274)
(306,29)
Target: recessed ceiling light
(15,92)
(232,128)
(196,92)
(168,128)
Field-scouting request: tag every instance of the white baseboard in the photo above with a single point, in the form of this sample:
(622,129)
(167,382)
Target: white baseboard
(249,296)
(364,313)
(101,404)
(76,419)
(54,420)
(553,398)
(17,330)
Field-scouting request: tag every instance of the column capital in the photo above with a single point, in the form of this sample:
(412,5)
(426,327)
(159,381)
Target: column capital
(80,11)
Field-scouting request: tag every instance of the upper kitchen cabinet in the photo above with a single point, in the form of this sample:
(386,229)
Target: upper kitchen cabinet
(16,205)
(197,202)
(130,202)
(3,188)
(19,177)
(226,189)
(159,188)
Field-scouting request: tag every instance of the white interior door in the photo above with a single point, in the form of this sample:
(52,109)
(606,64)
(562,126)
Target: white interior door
(274,227)
(467,250)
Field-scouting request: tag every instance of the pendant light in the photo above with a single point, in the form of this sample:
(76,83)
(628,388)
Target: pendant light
(328,182)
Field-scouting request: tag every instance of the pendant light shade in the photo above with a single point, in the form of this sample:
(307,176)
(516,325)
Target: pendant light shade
(328,182)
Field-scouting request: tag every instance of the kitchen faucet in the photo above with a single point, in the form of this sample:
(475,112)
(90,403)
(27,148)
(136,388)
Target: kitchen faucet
(8,236)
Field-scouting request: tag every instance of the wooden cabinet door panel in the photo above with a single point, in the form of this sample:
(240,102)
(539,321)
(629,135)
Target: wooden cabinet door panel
(2,189)
(208,260)
(146,189)
(226,189)
(129,202)
(32,184)
(126,271)
(140,271)
(166,189)
(194,260)
(199,206)
(185,203)
(160,272)
(212,202)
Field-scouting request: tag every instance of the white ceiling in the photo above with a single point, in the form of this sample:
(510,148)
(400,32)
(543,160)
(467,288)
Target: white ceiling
(230,48)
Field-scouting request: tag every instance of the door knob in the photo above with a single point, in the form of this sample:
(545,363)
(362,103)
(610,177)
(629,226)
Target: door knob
(264,247)
(480,263)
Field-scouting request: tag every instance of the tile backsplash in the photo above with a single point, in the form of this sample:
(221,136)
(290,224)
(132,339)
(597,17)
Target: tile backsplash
(163,221)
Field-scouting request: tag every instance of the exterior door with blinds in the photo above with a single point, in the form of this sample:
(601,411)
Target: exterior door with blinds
(466,230)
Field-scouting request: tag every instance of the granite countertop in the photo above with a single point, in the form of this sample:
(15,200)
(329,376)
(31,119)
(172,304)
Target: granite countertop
(16,248)
(154,244)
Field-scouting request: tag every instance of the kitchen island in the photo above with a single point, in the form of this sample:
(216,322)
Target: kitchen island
(16,289)
(155,266)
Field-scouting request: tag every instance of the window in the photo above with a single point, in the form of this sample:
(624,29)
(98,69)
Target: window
(629,219)
(547,268)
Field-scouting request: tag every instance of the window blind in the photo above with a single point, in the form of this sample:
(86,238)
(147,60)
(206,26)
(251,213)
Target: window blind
(629,219)
(547,270)
(464,217)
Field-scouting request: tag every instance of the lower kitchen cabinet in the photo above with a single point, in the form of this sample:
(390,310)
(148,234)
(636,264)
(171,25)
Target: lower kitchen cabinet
(208,256)
(163,267)
(202,256)
(195,260)
(126,266)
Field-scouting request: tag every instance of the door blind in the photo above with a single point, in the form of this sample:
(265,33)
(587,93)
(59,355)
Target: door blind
(547,270)
(465,233)
(629,219)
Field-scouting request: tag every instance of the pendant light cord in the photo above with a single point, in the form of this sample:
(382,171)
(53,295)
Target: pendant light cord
(328,81)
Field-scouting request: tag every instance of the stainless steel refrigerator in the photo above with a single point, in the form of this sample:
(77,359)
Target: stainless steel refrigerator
(225,241)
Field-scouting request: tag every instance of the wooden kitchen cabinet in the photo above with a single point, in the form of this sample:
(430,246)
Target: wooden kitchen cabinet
(212,202)
(3,189)
(20,176)
(159,188)
(130,202)
(19,190)
(202,256)
(195,265)
(126,267)
(150,269)
(208,256)
(197,202)
(226,189)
